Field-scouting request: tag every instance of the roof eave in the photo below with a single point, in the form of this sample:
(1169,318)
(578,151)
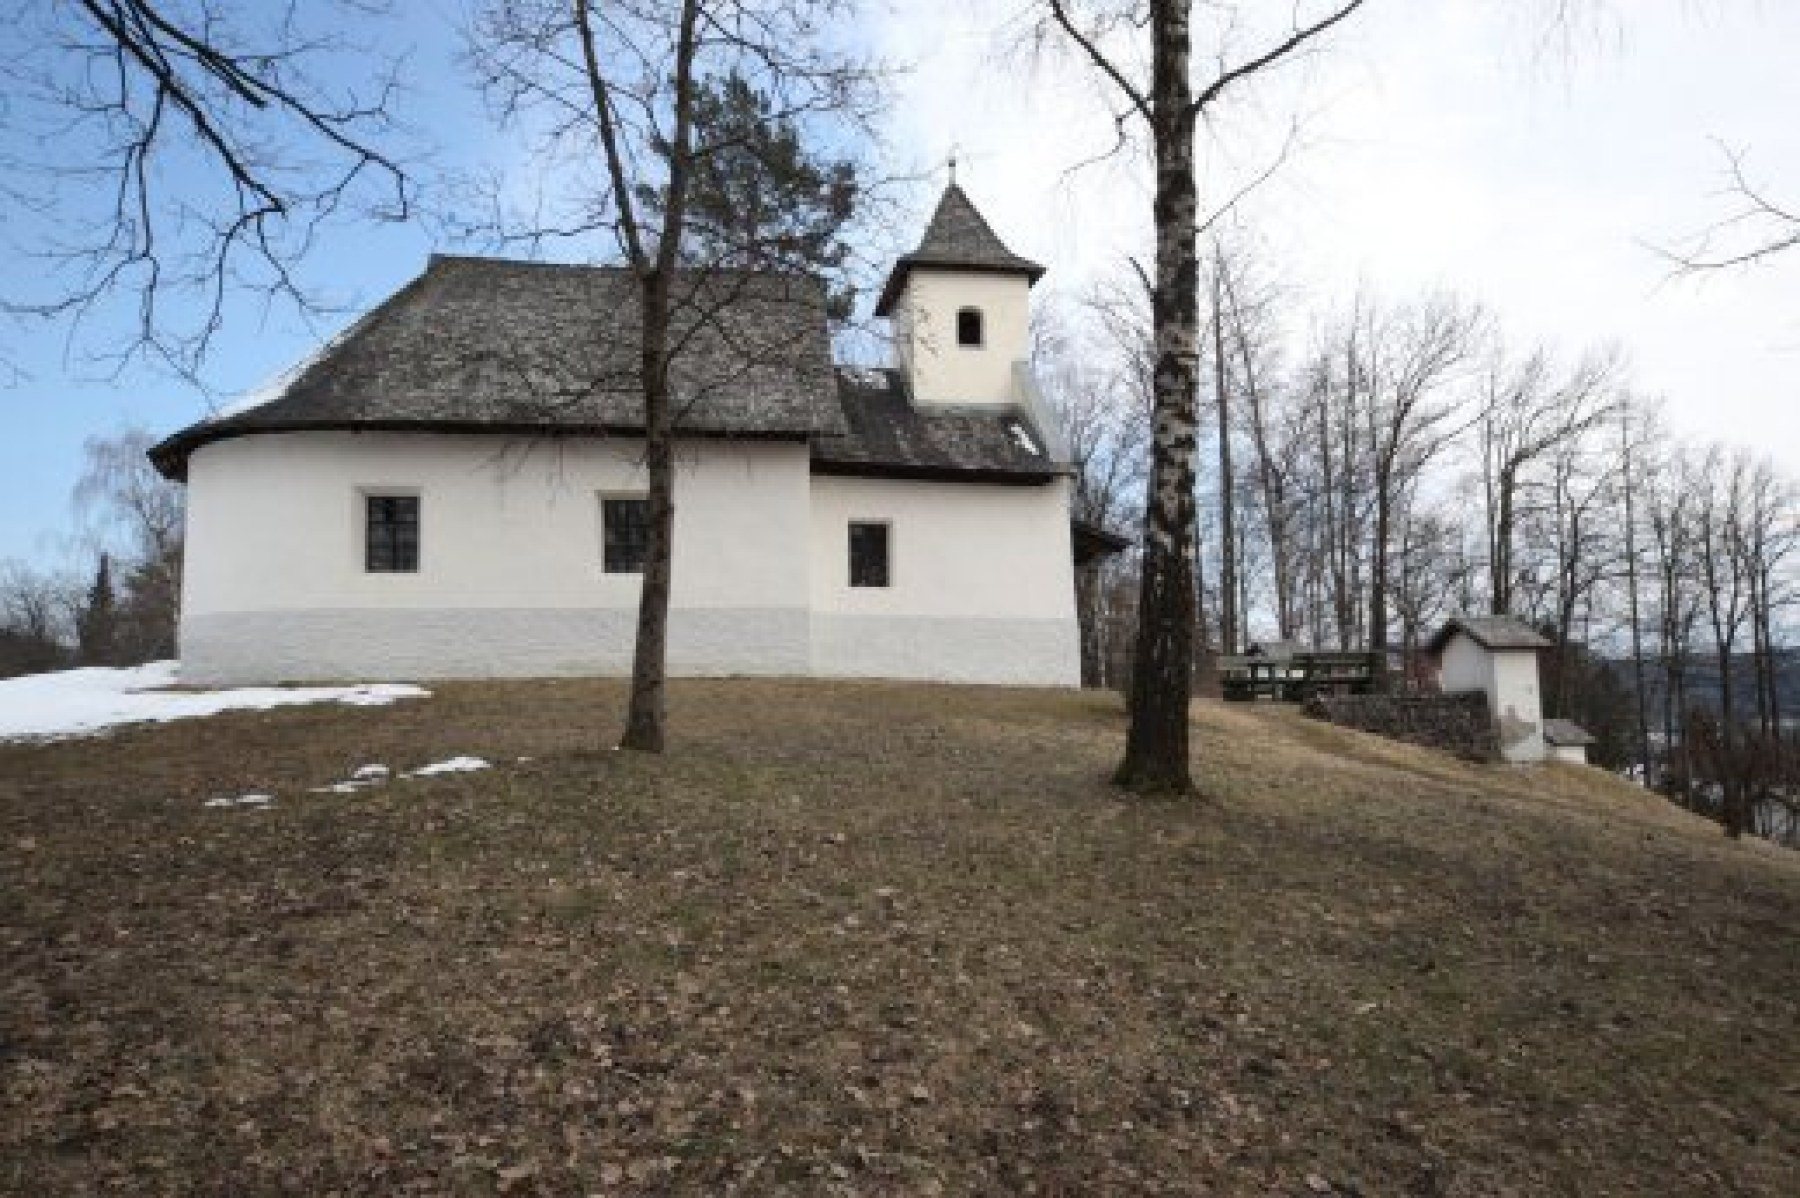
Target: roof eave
(170,456)
(896,280)
(1438,642)
(934,473)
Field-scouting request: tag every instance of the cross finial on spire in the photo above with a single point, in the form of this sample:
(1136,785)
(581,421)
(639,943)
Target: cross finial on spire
(952,164)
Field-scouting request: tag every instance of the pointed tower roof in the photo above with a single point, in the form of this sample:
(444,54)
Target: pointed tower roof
(958,238)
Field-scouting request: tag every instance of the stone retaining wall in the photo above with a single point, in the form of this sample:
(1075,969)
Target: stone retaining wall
(1459,724)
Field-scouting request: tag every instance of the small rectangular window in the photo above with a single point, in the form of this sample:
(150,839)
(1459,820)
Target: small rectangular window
(868,554)
(968,327)
(391,544)
(625,531)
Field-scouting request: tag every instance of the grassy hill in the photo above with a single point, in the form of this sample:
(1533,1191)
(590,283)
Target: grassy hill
(873,939)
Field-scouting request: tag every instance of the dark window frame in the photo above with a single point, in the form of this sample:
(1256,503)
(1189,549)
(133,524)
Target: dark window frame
(866,572)
(391,523)
(624,541)
(967,319)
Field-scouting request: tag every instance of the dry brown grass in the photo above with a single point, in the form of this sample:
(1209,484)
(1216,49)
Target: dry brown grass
(873,939)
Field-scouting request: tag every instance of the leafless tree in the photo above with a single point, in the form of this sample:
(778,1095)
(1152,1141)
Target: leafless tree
(1166,100)
(1431,568)
(1757,227)
(1671,484)
(1409,367)
(192,149)
(1637,431)
(1092,375)
(1227,476)
(1722,552)
(124,496)
(1771,534)
(36,619)
(1528,410)
(687,136)
(134,519)
(1248,318)
(1579,542)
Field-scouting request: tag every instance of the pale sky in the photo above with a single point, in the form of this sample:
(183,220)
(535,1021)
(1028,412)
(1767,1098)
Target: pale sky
(1444,144)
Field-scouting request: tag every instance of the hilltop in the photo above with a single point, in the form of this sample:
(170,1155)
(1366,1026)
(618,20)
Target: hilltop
(872,939)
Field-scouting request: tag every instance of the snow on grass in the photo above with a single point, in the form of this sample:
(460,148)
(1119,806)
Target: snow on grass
(455,765)
(249,800)
(363,777)
(86,701)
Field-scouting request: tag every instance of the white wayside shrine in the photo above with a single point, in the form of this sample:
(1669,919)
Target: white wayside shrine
(453,487)
(1497,655)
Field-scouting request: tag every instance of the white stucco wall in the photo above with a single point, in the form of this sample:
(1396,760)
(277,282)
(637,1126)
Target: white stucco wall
(1510,678)
(944,372)
(1517,704)
(1465,667)
(510,579)
(982,583)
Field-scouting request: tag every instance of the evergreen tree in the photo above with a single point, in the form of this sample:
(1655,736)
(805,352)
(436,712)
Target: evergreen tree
(97,629)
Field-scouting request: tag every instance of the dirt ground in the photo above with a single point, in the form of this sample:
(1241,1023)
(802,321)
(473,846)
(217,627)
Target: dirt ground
(873,939)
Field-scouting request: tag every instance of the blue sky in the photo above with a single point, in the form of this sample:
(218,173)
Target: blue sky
(55,392)
(1441,148)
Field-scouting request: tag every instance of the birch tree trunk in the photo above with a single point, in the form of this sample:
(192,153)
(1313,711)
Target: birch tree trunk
(1156,745)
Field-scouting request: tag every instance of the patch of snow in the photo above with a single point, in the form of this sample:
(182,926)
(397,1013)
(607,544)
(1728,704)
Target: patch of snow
(455,765)
(363,777)
(275,387)
(1023,439)
(86,701)
(249,800)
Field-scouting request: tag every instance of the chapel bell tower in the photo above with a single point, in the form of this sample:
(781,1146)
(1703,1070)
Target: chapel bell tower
(961,309)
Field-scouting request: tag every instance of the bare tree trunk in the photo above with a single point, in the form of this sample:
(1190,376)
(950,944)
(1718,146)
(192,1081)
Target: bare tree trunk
(1156,746)
(648,713)
(1759,649)
(1088,608)
(1772,655)
(1500,568)
(1378,578)
(1629,490)
(1273,484)
(1228,564)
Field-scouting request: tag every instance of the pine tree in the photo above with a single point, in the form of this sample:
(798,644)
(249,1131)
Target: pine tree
(97,628)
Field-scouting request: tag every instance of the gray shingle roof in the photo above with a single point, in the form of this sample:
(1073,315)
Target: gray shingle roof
(887,435)
(1490,632)
(482,344)
(957,236)
(1566,733)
